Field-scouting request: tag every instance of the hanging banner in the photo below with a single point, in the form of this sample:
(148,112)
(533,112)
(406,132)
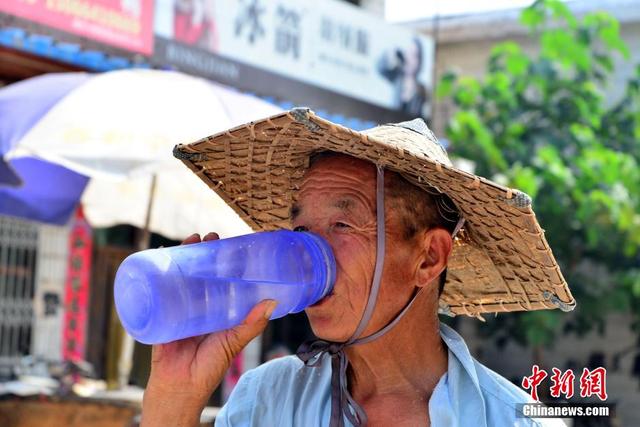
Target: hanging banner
(326,44)
(76,299)
(127,24)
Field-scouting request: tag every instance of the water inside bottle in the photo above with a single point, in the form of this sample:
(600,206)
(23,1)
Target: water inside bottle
(226,302)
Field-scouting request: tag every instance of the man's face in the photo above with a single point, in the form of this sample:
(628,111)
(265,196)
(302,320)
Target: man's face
(337,200)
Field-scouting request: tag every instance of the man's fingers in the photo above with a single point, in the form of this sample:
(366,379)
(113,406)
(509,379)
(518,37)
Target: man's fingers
(211,236)
(252,326)
(194,238)
(156,353)
(260,313)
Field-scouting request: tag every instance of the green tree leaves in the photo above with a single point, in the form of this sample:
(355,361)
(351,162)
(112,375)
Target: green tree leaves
(542,124)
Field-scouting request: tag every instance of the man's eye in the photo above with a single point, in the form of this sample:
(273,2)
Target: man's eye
(342,225)
(301,228)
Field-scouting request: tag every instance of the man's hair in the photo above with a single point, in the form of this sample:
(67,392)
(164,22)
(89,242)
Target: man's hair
(419,209)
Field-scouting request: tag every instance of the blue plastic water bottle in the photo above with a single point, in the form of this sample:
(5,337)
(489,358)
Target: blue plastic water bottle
(166,294)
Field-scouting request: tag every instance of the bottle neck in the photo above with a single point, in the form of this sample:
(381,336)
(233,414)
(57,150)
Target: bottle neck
(324,269)
(328,273)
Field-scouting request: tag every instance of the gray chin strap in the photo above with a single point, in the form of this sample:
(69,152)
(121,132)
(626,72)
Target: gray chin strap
(312,352)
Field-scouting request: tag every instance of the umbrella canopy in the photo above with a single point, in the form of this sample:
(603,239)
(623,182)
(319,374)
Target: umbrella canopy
(21,105)
(118,129)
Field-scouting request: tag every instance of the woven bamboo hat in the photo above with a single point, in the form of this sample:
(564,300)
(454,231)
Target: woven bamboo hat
(500,261)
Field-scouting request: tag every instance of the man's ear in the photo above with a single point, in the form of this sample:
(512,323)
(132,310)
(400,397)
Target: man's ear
(436,246)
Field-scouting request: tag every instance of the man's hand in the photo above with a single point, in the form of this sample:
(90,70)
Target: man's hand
(184,373)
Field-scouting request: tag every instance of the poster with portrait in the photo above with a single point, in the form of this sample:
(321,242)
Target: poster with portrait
(403,66)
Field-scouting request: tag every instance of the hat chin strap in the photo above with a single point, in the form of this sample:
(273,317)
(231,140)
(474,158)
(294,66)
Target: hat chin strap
(311,352)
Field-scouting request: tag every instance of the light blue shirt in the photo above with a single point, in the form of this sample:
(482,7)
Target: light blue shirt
(284,392)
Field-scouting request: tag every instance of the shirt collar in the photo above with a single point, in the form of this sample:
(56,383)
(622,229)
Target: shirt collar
(463,384)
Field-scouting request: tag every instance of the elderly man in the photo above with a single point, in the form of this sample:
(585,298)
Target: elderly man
(392,208)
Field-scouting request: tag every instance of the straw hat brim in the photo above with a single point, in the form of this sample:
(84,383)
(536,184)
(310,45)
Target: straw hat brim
(501,262)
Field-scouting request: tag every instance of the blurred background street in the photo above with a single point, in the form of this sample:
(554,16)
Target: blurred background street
(541,96)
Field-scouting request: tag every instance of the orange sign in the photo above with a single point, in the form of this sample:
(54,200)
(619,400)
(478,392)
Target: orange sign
(127,24)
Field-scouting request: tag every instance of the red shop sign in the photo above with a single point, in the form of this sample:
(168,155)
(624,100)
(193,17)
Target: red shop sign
(76,298)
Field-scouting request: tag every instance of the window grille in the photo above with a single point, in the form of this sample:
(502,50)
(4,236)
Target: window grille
(18,248)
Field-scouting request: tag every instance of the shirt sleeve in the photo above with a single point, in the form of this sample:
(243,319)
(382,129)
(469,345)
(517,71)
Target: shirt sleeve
(238,411)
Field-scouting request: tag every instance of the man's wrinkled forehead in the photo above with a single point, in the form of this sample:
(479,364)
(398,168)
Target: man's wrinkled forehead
(348,181)
(346,204)
(339,160)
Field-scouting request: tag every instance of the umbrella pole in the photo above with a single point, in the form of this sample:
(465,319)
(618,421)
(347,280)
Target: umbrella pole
(145,237)
(128,344)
